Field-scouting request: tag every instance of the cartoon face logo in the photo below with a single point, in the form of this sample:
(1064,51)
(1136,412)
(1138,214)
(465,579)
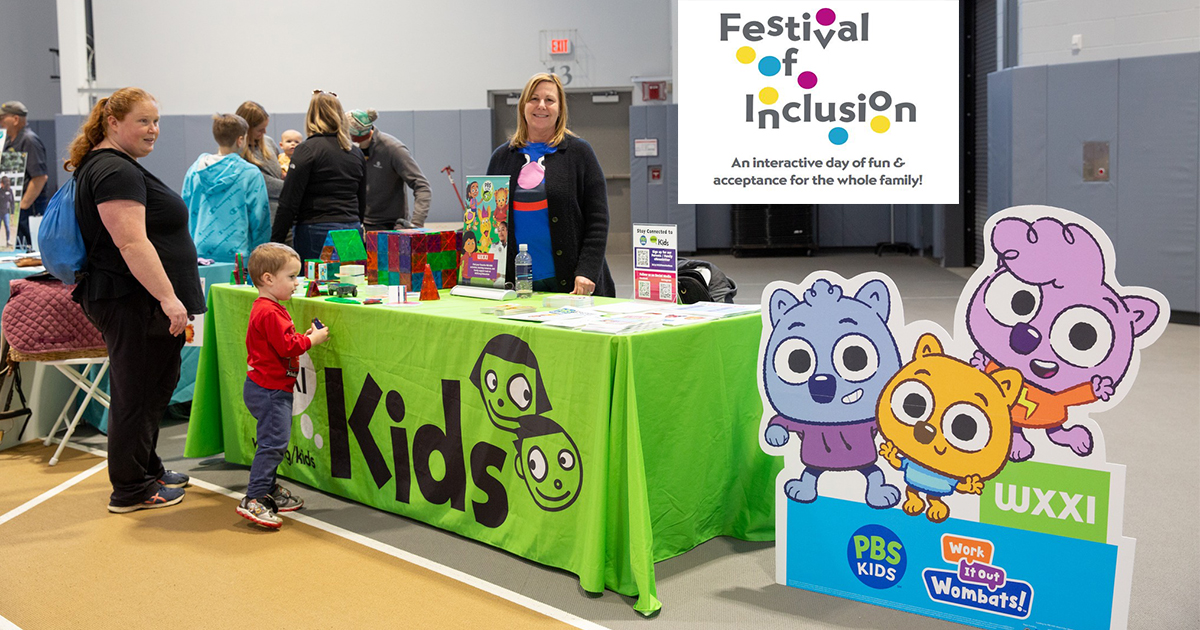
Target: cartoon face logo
(508,379)
(473,190)
(549,463)
(501,199)
(1048,311)
(829,355)
(946,425)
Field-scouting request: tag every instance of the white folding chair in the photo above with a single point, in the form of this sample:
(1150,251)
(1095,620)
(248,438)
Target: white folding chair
(90,386)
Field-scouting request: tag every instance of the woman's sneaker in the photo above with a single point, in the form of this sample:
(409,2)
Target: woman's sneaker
(172,479)
(164,497)
(285,501)
(260,512)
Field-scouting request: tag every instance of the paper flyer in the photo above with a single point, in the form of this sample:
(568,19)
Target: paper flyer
(655,275)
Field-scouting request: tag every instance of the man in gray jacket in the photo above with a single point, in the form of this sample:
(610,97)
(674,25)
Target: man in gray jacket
(390,167)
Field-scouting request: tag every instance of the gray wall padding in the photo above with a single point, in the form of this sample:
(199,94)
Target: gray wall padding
(1082,107)
(475,150)
(171,156)
(437,142)
(714,226)
(682,215)
(638,194)
(1148,110)
(1157,195)
(1028,136)
(280,123)
(659,203)
(999,143)
(47,131)
(457,138)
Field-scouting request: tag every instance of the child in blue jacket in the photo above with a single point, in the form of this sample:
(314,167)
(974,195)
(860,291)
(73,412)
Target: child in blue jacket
(226,196)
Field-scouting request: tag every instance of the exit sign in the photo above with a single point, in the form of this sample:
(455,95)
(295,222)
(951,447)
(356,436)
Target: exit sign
(560,47)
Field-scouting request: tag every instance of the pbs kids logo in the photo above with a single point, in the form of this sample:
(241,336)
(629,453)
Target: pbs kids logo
(643,239)
(877,557)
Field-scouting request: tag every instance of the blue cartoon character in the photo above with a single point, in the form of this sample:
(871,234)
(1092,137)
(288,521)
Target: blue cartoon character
(548,461)
(510,382)
(946,425)
(1049,309)
(827,359)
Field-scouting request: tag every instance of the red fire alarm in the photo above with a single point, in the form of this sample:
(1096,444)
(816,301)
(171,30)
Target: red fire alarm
(654,91)
(655,174)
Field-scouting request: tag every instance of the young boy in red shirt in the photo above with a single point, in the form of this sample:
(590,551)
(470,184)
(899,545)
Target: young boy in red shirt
(273,346)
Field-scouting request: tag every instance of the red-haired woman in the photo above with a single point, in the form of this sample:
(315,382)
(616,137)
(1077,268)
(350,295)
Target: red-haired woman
(139,286)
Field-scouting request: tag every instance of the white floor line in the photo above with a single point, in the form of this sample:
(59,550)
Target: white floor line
(21,509)
(454,574)
(8,625)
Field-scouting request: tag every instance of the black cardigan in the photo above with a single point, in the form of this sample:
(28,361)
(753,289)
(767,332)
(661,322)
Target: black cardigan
(578,205)
(324,185)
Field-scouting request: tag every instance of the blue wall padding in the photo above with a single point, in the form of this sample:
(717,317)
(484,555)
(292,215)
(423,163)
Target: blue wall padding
(1159,104)
(1029,136)
(459,138)
(1082,107)
(999,139)
(659,203)
(1148,110)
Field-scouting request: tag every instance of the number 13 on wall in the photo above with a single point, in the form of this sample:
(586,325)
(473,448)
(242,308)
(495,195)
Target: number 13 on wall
(563,72)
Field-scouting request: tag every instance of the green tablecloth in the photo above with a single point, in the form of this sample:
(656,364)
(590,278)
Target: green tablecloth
(659,430)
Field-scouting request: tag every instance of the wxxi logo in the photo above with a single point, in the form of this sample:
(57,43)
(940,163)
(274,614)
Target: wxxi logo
(807,109)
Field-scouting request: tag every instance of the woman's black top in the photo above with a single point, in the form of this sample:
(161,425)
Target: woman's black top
(110,175)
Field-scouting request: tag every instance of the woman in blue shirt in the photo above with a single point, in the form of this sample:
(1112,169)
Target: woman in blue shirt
(559,203)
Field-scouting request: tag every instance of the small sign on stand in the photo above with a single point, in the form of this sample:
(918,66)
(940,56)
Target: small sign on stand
(654,263)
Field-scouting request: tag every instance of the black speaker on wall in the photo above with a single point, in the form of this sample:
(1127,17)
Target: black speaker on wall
(774,227)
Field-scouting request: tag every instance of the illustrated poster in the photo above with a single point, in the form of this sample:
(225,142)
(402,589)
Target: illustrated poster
(484,253)
(961,476)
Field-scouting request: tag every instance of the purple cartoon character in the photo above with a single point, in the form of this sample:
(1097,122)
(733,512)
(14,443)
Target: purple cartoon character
(1050,310)
(828,357)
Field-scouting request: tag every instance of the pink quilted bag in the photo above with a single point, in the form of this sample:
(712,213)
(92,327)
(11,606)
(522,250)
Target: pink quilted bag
(42,323)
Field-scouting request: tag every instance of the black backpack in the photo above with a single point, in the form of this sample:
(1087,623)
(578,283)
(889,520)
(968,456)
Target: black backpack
(702,281)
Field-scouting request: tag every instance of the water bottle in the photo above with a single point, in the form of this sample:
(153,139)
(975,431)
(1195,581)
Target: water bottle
(524,272)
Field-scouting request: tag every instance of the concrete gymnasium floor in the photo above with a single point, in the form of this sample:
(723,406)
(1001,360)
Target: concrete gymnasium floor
(1155,431)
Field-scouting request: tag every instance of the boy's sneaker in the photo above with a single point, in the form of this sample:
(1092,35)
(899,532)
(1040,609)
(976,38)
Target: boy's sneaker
(172,479)
(164,497)
(260,512)
(285,501)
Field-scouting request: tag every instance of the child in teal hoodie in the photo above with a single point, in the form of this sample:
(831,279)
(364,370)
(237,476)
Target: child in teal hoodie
(228,211)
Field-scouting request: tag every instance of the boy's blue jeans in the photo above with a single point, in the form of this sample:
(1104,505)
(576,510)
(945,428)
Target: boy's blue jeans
(272,408)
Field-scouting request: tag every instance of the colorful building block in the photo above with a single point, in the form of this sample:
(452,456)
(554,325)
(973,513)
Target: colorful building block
(400,257)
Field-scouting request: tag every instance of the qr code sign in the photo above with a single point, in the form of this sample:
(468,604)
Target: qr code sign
(643,288)
(664,291)
(643,258)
